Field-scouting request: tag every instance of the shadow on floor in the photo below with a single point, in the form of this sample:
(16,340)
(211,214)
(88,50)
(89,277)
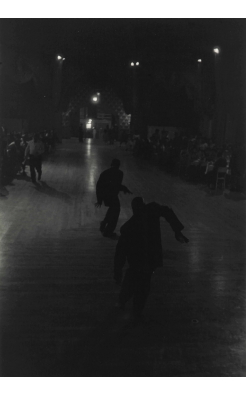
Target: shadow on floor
(24,177)
(43,187)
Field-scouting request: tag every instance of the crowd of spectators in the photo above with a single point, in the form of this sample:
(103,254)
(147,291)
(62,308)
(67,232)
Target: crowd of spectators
(193,158)
(13,146)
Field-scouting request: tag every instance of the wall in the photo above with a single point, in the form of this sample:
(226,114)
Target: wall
(17,125)
(229,120)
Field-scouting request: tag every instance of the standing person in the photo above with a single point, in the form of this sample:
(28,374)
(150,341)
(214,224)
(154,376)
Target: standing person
(140,244)
(34,150)
(14,152)
(23,145)
(107,189)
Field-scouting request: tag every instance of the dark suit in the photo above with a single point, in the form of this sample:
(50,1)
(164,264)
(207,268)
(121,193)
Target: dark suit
(140,244)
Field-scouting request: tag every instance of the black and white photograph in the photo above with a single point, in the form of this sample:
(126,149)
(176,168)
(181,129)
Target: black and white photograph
(122,194)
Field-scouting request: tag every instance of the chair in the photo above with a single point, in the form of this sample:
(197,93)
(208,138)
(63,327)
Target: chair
(221,177)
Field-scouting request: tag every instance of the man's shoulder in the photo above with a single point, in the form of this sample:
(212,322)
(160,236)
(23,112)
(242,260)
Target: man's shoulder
(154,210)
(115,170)
(112,170)
(104,172)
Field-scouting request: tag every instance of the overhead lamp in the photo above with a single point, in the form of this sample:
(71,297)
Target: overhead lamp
(137,64)
(63,59)
(132,64)
(199,60)
(95,98)
(216,50)
(59,57)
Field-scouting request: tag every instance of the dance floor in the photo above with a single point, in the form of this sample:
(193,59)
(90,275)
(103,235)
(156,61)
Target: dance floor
(57,294)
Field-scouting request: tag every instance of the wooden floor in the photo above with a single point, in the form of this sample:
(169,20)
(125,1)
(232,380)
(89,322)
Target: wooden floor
(57,296)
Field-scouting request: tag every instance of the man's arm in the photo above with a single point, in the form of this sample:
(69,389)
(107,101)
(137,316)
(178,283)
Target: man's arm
(121,175)
(174,222)
(124,189)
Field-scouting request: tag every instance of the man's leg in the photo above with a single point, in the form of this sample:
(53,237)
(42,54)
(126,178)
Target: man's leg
(32,168)
(39,167)
(127,288)
(141,292)
(112,217)
(104,223)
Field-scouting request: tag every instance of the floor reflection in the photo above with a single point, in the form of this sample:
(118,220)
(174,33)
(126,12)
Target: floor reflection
(57,293)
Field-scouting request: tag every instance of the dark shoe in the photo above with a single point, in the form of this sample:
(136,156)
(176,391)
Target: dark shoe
(102,226)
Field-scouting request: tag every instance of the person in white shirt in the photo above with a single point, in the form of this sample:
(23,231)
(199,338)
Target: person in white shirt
(34,150)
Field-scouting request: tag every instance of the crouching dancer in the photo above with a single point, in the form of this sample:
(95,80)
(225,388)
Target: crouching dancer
(140,244)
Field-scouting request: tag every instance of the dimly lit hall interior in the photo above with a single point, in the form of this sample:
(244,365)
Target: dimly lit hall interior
(167,97)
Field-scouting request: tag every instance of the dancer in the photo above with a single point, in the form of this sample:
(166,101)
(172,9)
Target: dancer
(107,189)
(140,244)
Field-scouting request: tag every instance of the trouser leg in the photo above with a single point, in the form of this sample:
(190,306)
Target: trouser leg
(127,288)
(38,166)
(105,221)
(141,292)
(107,216)
(112,217)
(32,168)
